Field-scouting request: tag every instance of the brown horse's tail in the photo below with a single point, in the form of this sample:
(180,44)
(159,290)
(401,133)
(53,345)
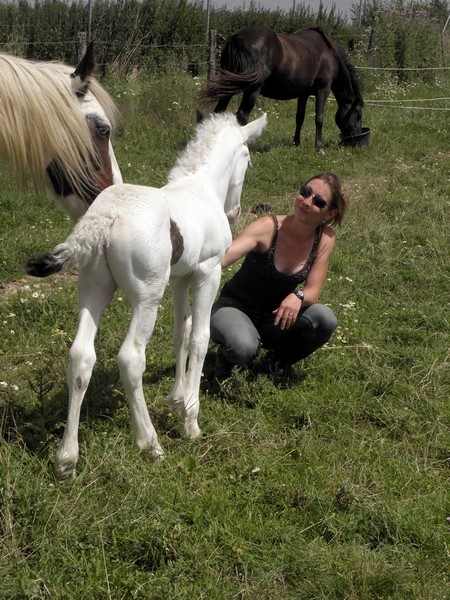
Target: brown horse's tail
(227,84)
(239,70)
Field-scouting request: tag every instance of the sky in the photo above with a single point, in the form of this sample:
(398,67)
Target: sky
(342,6)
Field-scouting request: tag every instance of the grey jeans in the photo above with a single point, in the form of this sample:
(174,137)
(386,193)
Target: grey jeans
(241,335)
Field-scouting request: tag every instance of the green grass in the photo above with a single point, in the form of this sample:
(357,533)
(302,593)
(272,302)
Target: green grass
(334,488)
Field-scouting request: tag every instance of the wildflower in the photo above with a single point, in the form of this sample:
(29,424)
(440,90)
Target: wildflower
(59,331)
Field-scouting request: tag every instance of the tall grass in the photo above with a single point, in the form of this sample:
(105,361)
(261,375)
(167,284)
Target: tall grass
(334,488)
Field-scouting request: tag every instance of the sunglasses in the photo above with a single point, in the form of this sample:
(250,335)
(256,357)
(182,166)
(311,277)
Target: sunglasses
(307,192)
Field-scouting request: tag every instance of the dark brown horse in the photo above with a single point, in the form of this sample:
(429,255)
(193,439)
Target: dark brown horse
(256,60)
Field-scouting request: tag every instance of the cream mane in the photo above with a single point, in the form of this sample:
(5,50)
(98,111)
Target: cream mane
(41,120)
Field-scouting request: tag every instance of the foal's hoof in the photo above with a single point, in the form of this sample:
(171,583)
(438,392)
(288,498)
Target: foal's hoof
(64,472)
(153,452)
(158,455)
(65,464)
(191,431)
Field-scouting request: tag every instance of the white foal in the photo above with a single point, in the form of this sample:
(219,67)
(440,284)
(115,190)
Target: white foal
(138,238)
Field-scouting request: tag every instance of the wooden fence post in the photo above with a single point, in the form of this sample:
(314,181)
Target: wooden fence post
(212,53)
(80,45)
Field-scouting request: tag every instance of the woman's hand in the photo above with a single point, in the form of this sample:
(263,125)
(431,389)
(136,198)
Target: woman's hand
(286,314)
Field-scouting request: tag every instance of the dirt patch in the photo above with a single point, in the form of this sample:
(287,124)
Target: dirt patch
(26,283)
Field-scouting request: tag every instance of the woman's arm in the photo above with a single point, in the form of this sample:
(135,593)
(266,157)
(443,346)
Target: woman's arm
(256,236)
(319,269)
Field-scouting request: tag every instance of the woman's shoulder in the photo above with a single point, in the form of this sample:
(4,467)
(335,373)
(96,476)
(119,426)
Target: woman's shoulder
(267,223)
(262,231)
(329,232)
(327,238)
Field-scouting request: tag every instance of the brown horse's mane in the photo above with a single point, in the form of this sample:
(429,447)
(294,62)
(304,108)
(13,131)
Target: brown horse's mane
(347,69)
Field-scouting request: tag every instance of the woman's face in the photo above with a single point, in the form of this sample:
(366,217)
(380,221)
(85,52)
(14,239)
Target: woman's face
(313,201)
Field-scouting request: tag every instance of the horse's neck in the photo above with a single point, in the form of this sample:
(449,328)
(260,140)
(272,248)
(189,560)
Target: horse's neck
(342,86)
(219,178)
(344,94)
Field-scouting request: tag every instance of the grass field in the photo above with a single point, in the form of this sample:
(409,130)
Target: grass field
(337,487)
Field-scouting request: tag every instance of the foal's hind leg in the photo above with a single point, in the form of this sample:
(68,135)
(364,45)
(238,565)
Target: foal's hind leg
(131,360)
(181,334)
(96,288)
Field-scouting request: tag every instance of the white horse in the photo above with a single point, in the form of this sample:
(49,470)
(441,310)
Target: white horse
(55,125)
(137,238)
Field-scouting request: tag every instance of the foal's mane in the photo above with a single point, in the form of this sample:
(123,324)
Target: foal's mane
(195,153)
(41,120)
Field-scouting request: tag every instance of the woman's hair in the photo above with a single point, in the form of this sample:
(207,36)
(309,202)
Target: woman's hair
(339,198)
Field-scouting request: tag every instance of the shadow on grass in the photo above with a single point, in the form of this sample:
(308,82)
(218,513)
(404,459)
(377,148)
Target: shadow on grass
(40,419)
(247,384)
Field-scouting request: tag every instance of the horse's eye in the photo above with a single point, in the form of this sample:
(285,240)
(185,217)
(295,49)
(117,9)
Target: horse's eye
(104,130)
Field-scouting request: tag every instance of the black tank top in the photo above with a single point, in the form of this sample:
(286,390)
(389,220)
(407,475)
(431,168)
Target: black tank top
(258,285)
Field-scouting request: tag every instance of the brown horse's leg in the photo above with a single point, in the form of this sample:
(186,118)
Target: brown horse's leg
(221,106)
(299,118)
(247,104)
(321,99)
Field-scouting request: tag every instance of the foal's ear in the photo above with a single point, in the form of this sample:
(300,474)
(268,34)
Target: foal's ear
(254,129)
(200,117)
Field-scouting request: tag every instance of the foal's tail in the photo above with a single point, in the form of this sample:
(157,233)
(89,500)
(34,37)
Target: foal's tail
(88,240)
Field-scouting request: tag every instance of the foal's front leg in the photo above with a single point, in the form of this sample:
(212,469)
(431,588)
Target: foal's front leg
(96,288)
(203,292)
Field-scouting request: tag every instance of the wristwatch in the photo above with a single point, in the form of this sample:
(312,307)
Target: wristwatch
(300,295)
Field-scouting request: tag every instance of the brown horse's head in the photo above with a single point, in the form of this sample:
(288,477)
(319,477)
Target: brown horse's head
(347,91)
(349,118)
